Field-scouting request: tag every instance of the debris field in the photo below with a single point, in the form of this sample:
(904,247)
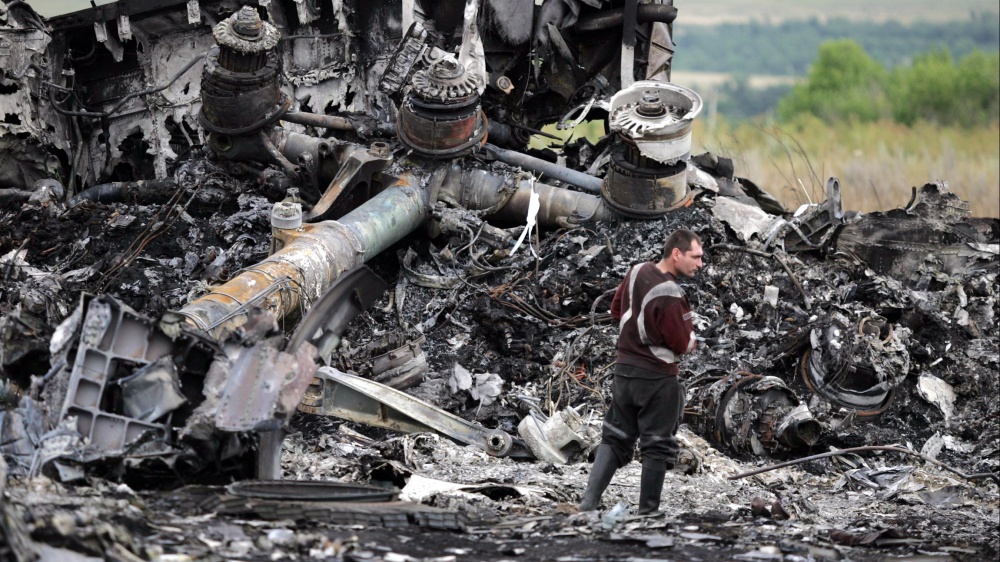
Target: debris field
(316,299)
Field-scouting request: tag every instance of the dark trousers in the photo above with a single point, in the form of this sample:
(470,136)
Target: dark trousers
(643,409)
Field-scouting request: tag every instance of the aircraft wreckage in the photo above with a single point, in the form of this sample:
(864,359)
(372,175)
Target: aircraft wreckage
(217,214)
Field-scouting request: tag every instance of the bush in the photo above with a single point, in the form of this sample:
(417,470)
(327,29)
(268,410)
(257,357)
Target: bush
(845,83)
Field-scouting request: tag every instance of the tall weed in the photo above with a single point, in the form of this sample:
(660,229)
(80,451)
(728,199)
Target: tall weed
(877,163)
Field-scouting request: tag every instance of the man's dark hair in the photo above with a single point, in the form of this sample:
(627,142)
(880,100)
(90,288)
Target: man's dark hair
(680,239)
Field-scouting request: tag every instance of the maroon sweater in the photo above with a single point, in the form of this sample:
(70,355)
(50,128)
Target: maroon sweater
(654,320)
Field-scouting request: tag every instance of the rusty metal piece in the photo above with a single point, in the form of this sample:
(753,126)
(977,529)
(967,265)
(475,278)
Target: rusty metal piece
(379,149)
(643,192)
(313,257)
(346,396)
(240,102)
(442,130)
(240,87)
(442,118)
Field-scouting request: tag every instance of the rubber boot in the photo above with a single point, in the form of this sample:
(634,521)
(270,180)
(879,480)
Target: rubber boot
(605,465)
(651,486)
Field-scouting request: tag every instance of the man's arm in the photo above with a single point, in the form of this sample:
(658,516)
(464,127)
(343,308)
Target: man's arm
(675,326)
(616,303)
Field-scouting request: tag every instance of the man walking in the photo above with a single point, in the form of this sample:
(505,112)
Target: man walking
(654,330)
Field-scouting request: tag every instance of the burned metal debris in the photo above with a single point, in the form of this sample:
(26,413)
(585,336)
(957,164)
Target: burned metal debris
(243,240)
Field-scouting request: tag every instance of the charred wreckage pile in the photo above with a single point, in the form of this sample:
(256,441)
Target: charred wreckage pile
(245,242)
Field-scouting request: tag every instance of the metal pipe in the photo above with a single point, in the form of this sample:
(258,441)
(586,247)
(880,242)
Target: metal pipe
(995,476)
(482,190)
(14,195)
(558,207)
(539,166)
(334,122)
(118,191)
(801,433)
(610,19)
(278,156)
(313,257)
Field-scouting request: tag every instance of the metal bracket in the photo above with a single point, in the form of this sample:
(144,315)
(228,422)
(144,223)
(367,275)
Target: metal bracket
(358,167)
(349,397)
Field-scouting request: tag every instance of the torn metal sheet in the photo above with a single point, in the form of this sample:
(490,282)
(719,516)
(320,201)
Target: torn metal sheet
(746,220)
(152,391)
(264,387)
(934,235)
(812,226)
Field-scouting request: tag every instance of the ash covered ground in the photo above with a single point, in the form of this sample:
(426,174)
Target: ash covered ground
(534,325)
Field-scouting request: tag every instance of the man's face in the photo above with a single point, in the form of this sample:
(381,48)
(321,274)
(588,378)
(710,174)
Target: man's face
(688,263)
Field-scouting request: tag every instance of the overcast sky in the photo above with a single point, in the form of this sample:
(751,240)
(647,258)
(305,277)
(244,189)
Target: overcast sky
(49,8)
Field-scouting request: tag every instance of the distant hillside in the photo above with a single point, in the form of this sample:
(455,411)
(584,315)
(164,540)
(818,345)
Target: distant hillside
(788,48)
(712,12)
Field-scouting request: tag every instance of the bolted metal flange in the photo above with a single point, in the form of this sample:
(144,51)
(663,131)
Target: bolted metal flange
(651,105)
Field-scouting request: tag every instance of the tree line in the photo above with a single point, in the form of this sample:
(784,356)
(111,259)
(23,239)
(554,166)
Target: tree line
(789,48)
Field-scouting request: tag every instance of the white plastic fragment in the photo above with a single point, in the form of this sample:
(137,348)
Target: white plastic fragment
(771,295)
(533,206)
